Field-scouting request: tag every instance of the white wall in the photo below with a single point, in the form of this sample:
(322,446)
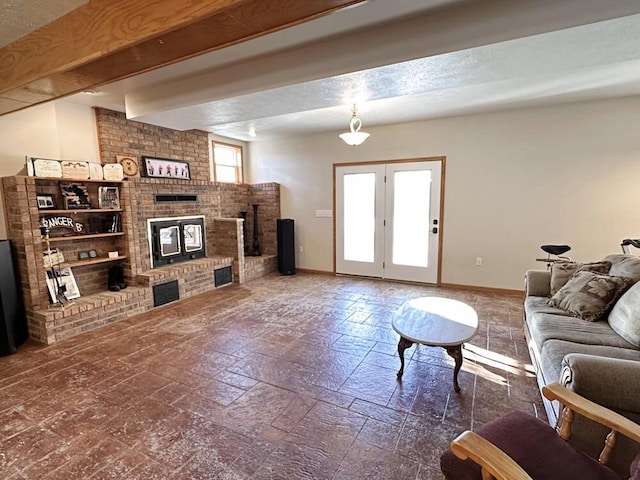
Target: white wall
(58,130)
(514,181)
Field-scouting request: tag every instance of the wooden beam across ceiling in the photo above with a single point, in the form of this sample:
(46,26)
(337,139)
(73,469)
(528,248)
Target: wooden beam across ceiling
(107,40)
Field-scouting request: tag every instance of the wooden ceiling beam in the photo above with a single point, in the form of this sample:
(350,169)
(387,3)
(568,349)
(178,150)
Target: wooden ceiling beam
(107,40)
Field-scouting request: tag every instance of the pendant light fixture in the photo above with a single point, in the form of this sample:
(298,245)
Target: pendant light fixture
(354,136)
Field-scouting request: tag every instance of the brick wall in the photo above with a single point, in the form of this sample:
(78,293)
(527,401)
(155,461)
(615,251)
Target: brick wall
(97,306)
(267,196)
(119,136)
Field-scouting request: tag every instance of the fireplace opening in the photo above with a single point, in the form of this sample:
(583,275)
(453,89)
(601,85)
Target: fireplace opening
(176,239)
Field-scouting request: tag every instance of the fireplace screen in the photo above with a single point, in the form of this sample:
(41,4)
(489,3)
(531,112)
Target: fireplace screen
(192,238)
(169,241)
(176,239)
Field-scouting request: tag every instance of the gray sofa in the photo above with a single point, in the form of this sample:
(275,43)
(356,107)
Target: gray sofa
(591,358)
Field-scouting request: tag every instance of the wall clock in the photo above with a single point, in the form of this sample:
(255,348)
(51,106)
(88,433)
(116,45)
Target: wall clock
(129,165)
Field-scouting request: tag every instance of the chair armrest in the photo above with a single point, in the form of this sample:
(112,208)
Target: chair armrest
(493,460)
(593,411)
(537,283)
(610,382)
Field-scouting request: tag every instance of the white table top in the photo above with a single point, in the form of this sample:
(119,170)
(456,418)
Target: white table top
(436,321)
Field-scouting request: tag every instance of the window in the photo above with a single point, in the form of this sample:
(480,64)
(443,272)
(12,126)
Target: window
(227,162)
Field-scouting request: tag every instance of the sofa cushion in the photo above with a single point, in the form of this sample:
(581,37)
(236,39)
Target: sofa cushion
(625,316)
(624,266)
(533,305)
(561,272)
(544,327)
(553,351)
(589,295)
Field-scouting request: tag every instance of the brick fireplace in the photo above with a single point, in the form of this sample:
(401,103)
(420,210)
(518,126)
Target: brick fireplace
(219,204)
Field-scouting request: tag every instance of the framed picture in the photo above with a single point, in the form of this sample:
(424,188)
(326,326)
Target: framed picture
(108,197)
(45,201)
(75,195)
(165,168)
(79,170)
(62,278)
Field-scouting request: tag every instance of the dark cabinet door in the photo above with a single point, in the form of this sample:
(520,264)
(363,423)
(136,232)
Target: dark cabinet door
(13,322)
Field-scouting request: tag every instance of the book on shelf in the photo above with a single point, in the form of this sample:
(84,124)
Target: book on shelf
(116,223)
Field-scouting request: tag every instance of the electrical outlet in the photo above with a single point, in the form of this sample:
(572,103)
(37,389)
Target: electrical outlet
(479,261)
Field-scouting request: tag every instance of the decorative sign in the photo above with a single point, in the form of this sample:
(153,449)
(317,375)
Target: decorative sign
(113,172)
(62,221)
(75,195)
(95,171)
(79,170)
(28,161)
(129,165)
(43,167)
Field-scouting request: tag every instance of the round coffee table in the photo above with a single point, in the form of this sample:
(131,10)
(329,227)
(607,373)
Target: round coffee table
(435,321)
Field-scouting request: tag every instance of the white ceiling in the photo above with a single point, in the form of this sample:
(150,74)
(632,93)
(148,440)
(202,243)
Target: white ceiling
(20,17)
(400,61)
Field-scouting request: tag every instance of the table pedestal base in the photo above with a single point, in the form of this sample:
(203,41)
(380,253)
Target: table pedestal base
(454,351)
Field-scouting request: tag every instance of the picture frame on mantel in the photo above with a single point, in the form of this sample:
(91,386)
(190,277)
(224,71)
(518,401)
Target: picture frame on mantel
(166,168)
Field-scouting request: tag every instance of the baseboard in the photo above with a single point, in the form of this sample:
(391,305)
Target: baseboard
(504,291)
(478,288)
(309,270)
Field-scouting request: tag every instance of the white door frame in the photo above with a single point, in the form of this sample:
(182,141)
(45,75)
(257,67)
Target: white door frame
(440,226)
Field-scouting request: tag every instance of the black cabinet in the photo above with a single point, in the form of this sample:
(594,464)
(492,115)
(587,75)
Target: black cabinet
(13,322)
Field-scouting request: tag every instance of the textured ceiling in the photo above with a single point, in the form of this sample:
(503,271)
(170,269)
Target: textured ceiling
(19,17)
(399,61)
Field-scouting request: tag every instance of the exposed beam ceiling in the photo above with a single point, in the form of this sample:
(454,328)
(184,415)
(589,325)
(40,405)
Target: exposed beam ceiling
(400,60)
(107,40)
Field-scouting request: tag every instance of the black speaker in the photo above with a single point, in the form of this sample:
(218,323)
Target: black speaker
(286,246)
(13,322)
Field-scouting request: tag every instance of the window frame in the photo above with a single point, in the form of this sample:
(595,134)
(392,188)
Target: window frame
(239,168)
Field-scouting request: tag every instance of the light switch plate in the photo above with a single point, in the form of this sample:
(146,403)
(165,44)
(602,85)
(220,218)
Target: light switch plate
(324,213)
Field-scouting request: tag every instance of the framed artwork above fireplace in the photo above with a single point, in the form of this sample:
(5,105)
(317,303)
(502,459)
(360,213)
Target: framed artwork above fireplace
(166,168)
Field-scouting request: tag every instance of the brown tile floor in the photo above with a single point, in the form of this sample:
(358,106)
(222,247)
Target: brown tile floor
(285,377)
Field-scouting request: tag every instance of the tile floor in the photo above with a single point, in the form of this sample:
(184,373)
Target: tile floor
(284,377)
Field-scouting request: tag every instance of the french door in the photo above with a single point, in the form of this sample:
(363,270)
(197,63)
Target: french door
(388,220)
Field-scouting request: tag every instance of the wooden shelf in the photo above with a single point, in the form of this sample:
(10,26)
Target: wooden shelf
(81,210)
(85,237)
(92,261)
(75,180)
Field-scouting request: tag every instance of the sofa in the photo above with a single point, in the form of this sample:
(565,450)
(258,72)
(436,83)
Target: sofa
(594,351)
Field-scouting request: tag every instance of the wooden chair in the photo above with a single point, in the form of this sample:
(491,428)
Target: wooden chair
(518,446)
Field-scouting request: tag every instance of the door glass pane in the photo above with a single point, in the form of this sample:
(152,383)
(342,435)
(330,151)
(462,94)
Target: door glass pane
(359,216)
(411,194)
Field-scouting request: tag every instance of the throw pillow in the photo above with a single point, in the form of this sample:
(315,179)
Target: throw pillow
(561,272)
(589,295)
(625,317)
